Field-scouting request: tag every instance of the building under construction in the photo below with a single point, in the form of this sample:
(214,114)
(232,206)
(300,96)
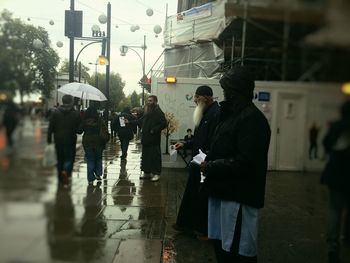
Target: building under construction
(294,40)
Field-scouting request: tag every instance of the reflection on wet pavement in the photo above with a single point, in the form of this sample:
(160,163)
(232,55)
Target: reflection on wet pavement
(124,219)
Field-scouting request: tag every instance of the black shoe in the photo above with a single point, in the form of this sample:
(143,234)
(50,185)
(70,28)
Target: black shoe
(346,242)
(178,228)
(333,257)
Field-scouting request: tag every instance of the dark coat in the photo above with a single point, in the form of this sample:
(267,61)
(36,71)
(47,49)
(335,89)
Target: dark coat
(11,117)
(237,161)
(91,128)
(205,130)
(64,124)
(152,124)
(126,132)
(337,145)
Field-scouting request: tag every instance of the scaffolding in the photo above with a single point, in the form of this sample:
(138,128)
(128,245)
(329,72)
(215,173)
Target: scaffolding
(268,36)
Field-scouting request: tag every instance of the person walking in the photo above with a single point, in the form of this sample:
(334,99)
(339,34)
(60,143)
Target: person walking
(11,119)
(63,125)
(125,132)
(235,170)
(193,212)
(114,119)
(336,176)
(153,122)
(93,143)
(313,136)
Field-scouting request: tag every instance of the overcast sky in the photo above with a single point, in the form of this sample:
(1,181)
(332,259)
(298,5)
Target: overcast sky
(125,13)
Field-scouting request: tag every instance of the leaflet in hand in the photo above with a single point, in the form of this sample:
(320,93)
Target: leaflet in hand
(122,121)
(199,158)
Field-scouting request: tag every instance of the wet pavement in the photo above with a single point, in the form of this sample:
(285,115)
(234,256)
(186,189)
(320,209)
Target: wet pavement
(125,219)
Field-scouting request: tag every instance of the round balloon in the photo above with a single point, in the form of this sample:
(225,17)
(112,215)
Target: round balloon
(149,12)
(95,28)
(59,44)
(102,19)
(157,29)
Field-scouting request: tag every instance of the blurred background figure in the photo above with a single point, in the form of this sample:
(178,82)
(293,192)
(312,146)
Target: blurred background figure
(188,142)
(114,125)
(313,136)
(11,118)
(336,176)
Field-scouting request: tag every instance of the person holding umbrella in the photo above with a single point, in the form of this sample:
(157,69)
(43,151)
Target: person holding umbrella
(93,143)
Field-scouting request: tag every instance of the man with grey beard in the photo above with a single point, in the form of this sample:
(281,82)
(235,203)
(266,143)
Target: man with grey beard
(153,122)
(193,213)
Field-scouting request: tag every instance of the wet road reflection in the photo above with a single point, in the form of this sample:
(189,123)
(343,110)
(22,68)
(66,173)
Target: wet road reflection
(61,226)
(125,219)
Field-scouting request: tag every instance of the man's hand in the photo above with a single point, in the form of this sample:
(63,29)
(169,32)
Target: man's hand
(179,146)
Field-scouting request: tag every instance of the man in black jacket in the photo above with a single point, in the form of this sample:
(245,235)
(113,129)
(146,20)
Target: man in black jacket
(193,211)
(153,122)
(125,132)
(64,124)
(235,170)
(336,176)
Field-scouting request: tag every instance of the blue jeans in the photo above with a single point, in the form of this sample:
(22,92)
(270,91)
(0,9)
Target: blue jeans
(93,157)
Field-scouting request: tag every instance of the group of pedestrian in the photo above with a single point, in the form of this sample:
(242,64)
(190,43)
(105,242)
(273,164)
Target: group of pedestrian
(235,137)
(66,122)
(223,194)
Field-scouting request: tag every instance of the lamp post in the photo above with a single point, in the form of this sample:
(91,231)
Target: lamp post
(124,49)
(96,76)
(102,60)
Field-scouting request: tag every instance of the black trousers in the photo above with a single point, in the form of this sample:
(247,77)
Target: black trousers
(151,159)
(193,211)
(223,256)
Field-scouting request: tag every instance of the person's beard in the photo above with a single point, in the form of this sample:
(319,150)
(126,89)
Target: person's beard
(198,113)
(149,108)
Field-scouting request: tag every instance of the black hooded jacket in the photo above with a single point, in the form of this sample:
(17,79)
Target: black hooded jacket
(337,145)
(64,124)
(127,131)
(237,160)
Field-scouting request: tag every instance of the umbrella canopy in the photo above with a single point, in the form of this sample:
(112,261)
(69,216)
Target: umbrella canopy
(83,91)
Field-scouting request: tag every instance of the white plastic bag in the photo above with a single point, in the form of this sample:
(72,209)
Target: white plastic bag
(50,158)
(173,153)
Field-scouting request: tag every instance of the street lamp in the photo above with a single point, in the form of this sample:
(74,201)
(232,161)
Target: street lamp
(124,49)
(102,59)
(96,76)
